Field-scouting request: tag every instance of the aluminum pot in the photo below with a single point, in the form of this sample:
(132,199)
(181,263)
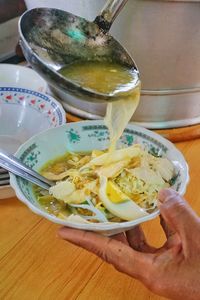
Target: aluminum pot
(164,39)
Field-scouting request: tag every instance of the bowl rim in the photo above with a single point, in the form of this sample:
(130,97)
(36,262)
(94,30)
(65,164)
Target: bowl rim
(40,95)
(24,69)
(99,226)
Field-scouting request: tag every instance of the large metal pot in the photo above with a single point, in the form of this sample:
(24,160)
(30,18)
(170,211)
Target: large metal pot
(164,39)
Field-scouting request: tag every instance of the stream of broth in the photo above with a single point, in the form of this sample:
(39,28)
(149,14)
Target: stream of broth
(113,79)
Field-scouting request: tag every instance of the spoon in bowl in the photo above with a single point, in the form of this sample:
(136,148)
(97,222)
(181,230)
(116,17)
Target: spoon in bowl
(17,167)
(51,39)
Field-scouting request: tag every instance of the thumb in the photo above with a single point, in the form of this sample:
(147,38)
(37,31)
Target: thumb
(177,213)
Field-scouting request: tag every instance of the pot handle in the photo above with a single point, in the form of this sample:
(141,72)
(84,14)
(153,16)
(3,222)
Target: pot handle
(108,14)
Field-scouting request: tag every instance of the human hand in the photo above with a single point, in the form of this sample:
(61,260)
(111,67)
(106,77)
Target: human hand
(171,271)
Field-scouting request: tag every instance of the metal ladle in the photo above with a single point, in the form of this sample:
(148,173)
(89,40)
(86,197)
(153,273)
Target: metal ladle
(52,38)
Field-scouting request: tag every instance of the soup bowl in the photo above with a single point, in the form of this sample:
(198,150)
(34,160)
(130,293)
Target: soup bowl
(86,136)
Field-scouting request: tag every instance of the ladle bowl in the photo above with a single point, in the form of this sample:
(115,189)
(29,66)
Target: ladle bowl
(52,38)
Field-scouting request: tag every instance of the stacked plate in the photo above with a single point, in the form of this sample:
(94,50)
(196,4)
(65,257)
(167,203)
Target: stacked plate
(4,177)
(5,189)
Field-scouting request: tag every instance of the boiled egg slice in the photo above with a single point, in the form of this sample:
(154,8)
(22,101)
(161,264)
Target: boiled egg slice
(62,189)
(117,202)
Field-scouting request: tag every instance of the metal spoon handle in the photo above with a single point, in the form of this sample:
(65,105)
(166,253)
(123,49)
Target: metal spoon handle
(109,13)
(19,172)
(11,159)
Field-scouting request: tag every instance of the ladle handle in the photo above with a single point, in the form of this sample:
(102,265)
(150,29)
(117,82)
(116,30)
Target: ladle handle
(108,14)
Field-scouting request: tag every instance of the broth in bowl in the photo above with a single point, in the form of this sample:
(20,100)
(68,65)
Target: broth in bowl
(103,186)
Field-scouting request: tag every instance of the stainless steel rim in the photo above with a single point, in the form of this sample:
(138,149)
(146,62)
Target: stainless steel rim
(170,92)
(151,125)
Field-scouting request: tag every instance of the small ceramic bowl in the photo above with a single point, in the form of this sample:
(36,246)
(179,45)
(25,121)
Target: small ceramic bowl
(86,136)
(24,113)
(20,76)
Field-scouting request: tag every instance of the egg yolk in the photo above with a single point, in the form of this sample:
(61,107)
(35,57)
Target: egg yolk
(114,194)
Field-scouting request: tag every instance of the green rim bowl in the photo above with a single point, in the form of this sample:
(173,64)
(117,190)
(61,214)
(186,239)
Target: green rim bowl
(86,136)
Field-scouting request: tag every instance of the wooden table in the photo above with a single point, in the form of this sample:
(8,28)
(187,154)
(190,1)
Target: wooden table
(36,264)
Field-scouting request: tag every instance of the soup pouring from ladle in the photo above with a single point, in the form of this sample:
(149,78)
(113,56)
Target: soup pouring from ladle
(52,39)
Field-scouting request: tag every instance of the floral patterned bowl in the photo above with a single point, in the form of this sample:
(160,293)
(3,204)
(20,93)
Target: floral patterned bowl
(86,136)
(24,113)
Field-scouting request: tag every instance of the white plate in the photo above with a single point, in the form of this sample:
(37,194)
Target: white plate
(4,182)
(4,176)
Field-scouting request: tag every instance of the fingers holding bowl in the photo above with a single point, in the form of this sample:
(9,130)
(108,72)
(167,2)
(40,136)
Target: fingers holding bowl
(111,250)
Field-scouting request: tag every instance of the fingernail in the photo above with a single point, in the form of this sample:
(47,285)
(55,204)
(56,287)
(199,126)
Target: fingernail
(164,194)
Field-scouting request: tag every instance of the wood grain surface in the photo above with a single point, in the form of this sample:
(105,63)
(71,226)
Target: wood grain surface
(36,264)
